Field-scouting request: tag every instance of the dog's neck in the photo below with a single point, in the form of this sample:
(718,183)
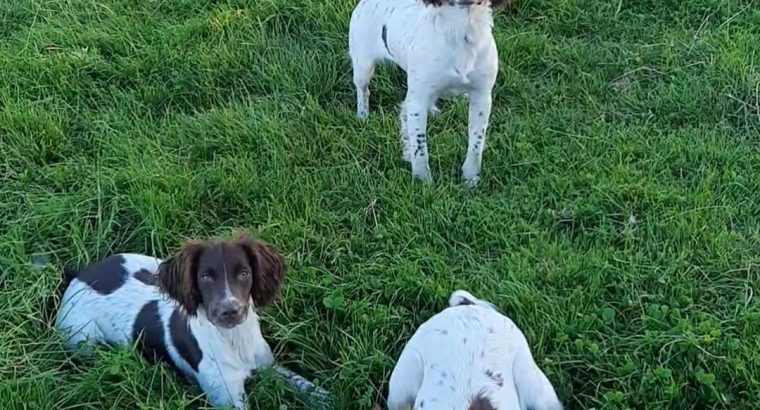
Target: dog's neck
(235,335)
(464,24)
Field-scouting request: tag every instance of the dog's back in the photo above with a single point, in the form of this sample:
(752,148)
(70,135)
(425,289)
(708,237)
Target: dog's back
(102,298)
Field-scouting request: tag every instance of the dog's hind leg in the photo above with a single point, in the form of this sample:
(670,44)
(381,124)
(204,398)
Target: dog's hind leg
(534,389)
(405,381)
(363,70)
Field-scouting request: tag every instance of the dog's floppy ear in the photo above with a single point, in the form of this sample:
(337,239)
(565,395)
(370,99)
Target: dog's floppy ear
(268,270)
(177,277)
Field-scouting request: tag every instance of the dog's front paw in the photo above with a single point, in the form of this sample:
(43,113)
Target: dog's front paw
(425,179)
(434,110)
(362,115)
(423,174)
(471,174)
(472,181)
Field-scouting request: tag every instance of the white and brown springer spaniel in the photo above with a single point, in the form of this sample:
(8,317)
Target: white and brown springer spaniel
(196,311)
(446,48)
(469,356)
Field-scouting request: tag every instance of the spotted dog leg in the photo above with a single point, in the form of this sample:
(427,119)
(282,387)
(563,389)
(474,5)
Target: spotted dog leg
(417,107)
(479,113)
(406,145)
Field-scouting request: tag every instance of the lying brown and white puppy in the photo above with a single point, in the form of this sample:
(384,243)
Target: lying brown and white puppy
(196,311)
(469,357)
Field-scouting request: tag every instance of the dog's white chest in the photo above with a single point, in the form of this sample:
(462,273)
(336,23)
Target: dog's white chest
(461,72)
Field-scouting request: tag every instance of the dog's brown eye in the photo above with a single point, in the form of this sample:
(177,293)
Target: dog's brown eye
(244,275)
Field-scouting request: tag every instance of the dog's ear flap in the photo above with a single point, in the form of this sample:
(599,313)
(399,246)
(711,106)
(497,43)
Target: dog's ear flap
(268,270)
(177,276)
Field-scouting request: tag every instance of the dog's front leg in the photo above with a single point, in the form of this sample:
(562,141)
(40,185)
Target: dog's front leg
(417,106)
(303,385)
(480,112)
(224,390)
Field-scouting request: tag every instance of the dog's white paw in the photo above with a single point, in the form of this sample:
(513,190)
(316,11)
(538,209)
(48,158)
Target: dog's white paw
(362,115)
(471,181)
(434,110)
(422,173)
(471,174)
(426,179)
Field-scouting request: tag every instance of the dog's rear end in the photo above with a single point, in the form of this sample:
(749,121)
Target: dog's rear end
(469,356)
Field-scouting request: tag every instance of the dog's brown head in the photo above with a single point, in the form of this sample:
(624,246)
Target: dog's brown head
(222,277)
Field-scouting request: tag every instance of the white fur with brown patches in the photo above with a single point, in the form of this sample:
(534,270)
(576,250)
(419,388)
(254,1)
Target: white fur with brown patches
(445,50)
(466,351)
(225,357)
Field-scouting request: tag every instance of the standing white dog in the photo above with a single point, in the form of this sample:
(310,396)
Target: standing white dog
(469,357)
(446,49)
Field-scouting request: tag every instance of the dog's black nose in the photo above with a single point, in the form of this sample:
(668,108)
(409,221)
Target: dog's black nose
(230,312)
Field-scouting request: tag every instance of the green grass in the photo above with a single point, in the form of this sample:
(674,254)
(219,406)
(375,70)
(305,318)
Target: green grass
(618,221)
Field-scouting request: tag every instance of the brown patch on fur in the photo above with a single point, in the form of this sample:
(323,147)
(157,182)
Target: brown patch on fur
(145,276)
(481,402)
(177,278)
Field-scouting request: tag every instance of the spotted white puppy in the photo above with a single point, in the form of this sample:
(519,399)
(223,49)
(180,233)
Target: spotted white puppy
(446,49)
(469,356)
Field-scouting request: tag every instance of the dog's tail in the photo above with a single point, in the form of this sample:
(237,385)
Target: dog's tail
(462,297)
(70,274)
(533,387)
(40,261)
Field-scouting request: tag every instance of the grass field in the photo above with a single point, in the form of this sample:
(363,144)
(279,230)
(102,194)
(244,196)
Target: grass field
(617,222)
